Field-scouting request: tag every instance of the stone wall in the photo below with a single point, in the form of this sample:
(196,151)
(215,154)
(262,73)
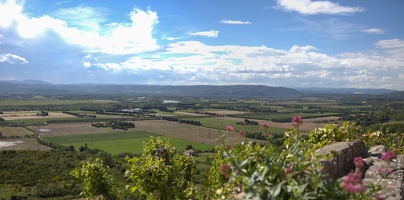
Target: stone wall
(392,185)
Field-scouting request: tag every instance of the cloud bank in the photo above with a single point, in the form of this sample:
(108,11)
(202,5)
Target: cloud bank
(308,7)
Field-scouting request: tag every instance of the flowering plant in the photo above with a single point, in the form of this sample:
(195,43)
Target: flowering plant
(290,171)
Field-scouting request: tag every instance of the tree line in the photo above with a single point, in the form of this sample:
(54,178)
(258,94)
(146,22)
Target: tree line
(174,119)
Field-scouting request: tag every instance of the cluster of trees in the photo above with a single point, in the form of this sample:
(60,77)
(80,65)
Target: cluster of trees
(247,122)
(369,119)
(164,109)
(185,121)
(115,125)
(55,145)
(42,113)
(205,112)
(256,135)
(15,137)
(2,120)
(396,115)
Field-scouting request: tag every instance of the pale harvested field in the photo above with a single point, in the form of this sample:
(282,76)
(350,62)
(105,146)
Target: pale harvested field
(188,132)
(22,144)
(14,131)
(31,115)
(226,112)
(71,129)
(308,124)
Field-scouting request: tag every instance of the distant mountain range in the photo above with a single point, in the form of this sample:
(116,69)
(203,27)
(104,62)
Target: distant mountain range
(34,87)
(28,82)
(41,88)
(345,90)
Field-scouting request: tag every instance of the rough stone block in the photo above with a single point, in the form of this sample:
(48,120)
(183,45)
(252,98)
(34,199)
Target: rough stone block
(345,153)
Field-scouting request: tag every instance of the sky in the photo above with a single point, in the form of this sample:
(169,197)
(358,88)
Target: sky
(287,43)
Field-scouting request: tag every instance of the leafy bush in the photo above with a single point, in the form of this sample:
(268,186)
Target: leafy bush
(334,133)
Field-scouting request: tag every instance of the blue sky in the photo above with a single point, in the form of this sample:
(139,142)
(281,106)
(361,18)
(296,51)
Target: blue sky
(290,43)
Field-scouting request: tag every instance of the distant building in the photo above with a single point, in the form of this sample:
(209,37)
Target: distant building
(140,98)
(190,152)
(136,110)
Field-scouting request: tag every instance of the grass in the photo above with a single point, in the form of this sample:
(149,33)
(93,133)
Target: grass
(222,122)
(269,117)
(201,157)
(116,143)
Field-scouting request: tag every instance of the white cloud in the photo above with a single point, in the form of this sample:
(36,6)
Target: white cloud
(234,22)
(210,33)
(394,47)
(87,64)
(118,38)
(109,66)
(401,76)
(172,38)
(86,18)
(297,49)
(391,44)
(373,30)
(13,59)
(308,7)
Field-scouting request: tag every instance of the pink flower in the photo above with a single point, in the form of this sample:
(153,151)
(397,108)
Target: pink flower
(384,172)
(297,119)
(353,183)
(241,133)
(225,170)
(388,156)
(288,170)
(229,128)
(264,126)
(228,146)
(358,161)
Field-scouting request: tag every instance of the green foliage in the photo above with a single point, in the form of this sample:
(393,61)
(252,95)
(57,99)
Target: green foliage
(392,141)
(38,174)
(188,147)
(348,131)
(96,179)
(333,133)
(287,172)
(161,172)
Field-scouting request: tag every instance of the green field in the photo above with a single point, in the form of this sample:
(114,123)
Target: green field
(221,123)
(116,143)
(265,116)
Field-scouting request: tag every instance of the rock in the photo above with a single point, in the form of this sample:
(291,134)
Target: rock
(390,184)
(377,150)
(346,152)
